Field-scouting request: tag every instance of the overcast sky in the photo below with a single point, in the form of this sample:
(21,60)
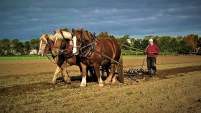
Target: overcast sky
(26,19)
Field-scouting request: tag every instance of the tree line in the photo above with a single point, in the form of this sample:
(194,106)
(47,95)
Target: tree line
(16,47)
(130,45)
(189,44)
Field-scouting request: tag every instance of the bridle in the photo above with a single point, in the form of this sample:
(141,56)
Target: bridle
(51,45)
(48,43)
(86,49)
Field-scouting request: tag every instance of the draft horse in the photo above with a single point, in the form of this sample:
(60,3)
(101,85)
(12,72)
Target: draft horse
(60,47)
(59,53)
(96,52)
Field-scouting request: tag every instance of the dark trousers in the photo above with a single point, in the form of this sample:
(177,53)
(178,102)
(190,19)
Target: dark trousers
(151,65)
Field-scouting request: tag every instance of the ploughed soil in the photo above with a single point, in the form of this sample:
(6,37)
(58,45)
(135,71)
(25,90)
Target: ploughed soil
(20,89)
(174,71)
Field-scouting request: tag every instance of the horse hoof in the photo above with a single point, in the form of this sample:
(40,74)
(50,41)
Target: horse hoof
(54,82)
(114,81)
(83,85)
(101,85)
(107,82)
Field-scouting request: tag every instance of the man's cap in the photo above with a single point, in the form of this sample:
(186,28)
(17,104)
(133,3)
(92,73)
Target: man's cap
(150,40)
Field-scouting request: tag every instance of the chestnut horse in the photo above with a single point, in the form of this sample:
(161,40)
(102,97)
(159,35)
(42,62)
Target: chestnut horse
(96,53)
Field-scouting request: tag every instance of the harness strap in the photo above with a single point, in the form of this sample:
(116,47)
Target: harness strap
(62,34)
(51,60)
(88,52)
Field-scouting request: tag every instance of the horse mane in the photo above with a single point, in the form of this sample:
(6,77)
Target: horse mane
(88,36)
(51,37)
(61,29)
(79,30)
(85,34)
(43,37)
(62,33)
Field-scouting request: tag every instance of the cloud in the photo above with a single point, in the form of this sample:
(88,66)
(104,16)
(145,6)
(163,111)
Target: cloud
(29,18)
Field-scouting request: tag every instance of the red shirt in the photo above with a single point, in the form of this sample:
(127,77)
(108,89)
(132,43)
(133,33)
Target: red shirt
(152,50)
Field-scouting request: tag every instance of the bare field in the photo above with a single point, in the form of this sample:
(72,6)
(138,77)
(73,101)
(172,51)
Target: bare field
(25,86)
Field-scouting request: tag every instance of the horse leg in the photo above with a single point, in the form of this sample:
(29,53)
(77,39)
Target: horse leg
(84,75)
(58,69)
(109,78)
(97,71)
(65,74)
(102,72)
(114,78)
(107,71)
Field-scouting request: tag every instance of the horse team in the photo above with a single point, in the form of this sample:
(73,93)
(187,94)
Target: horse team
(80,47)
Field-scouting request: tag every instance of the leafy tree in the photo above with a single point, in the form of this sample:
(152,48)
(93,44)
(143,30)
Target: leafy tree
(199,42)
(164,44)
(137,43)
(5,47)
(173,45)
(192,41)
(14,46)
(144,44)
(183,48)
(34,43)
(123,41)
(27,47)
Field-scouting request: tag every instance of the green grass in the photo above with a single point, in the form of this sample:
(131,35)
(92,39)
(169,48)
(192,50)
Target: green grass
(25,57)
(31,57)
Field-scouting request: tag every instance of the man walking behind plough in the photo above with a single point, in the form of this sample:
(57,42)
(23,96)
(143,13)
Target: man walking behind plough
(152,52)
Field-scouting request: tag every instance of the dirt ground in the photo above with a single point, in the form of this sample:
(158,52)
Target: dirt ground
(25,86)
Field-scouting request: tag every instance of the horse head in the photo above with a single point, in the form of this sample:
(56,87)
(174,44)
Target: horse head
(45,44)
(61,36)
(81,38)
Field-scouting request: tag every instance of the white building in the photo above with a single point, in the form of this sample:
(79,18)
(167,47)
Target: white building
(33,52)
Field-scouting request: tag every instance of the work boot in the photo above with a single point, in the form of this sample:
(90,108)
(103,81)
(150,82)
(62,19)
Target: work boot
(152,73)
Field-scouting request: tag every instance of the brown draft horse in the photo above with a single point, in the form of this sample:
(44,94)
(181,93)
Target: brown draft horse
(96,53)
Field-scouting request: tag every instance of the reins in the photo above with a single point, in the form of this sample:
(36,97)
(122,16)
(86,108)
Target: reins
(88,45)
(51,60)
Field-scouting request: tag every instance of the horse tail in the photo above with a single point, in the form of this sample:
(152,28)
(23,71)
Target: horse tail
(117,49)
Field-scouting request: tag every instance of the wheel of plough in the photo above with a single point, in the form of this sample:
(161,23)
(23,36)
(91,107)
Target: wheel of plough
(120,71)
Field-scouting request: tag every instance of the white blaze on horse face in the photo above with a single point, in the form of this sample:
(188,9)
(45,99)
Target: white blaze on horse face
(42,46)
(74,45)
